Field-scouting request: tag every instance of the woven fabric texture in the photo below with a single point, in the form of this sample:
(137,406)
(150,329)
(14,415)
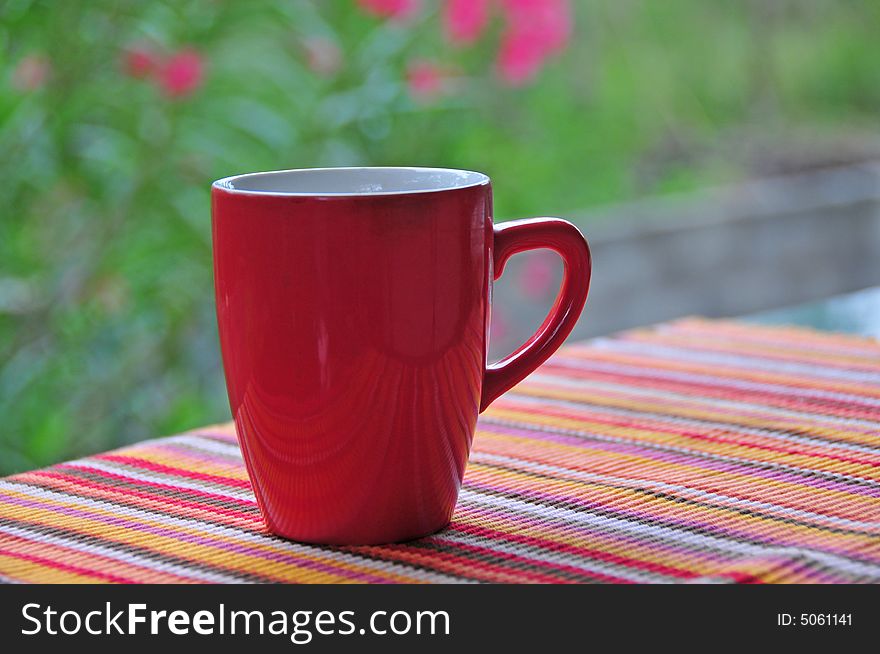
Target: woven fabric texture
(694,451)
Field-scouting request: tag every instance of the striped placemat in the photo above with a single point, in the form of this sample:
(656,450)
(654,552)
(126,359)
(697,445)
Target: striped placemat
(695,451)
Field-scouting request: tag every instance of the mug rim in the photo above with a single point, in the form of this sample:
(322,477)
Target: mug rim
(458,179)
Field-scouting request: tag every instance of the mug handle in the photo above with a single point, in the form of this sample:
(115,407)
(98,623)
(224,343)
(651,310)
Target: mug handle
(566,240)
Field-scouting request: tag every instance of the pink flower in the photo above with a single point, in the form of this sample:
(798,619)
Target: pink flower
(549,21)
(519,58)
(426,80)
(536,30)
(182,73)
(465,20)
(499,326)
(323,56)
(394,9)
(537,275)
(140,61)
(31,73)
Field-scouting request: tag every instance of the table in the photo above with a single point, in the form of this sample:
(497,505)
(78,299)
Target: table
(697,450)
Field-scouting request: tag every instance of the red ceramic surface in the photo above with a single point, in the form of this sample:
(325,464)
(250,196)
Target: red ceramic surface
(353,321)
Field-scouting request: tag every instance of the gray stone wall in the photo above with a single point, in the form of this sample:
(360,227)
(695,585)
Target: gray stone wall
(724,252)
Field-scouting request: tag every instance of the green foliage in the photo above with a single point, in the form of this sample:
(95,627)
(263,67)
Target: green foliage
(107,331)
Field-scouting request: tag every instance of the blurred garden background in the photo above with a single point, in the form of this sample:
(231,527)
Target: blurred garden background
(115,116)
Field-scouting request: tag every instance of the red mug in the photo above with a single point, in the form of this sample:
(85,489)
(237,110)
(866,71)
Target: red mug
(353,306)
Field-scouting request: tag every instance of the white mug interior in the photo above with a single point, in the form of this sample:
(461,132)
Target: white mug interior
(352,181)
